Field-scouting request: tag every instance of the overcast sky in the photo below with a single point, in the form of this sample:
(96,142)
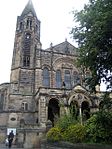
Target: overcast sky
(56,23)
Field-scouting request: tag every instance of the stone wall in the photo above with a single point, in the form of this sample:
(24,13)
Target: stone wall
(3,134)
(24,138)
(66,145)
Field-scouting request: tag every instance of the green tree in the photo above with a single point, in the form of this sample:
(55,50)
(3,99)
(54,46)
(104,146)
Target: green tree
(99,128)
(106,103)
(93,33)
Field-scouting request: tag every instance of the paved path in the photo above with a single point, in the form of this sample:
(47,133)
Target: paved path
(3,146)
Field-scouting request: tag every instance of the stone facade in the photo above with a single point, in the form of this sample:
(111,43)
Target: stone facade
(44,83)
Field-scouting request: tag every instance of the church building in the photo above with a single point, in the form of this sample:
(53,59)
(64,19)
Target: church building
(44,83)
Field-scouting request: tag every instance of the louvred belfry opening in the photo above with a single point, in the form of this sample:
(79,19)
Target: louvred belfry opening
(26,50)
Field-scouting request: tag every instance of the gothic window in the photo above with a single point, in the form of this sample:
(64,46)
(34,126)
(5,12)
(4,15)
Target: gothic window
(24,106)
(58,79)
(29,24)
(26,50)
(46,77)
(26,60)
(67,79)
(76,78)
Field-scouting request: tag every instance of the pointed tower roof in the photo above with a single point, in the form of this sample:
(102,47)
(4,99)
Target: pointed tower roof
(29,8)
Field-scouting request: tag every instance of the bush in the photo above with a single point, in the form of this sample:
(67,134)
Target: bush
(75,133)
(64,122)
(54,134)
(99,128)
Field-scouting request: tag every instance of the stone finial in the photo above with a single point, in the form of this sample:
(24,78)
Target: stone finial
(66,39)
(51,44)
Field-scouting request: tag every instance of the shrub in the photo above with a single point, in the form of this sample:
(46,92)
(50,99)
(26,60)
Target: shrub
(75,133)
(54,134)
(99,128)
(64,122)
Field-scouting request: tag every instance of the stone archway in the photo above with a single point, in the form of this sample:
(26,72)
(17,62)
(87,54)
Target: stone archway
(74,109)
(53,110)
(85,108)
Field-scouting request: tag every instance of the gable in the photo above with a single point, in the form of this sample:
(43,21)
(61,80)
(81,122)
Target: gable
(65,48)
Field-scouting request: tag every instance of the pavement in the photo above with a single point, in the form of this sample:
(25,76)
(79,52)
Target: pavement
(3,146)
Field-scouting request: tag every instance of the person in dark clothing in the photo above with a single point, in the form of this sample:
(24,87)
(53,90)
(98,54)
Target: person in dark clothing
(10,138)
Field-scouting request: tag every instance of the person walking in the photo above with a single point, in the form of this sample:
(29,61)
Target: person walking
(10,138)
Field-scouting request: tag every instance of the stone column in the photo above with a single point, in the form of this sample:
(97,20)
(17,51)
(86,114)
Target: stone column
(80,113)
(62,111)
(42,111)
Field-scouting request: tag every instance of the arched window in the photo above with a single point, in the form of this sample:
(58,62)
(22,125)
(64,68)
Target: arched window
(76,78)
(58,79)
(67,79)
(46,77)
(24,106)
(26,60)
(29,24)
(26,50)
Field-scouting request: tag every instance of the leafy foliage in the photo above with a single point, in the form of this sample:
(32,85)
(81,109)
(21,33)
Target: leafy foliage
(75,133)
(65,121)
(106,104)
(99,128)
(54,134)
(58,132)
(94,36)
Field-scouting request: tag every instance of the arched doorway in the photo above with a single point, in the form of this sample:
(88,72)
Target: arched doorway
(74,110)
(53,110)
(85,110)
